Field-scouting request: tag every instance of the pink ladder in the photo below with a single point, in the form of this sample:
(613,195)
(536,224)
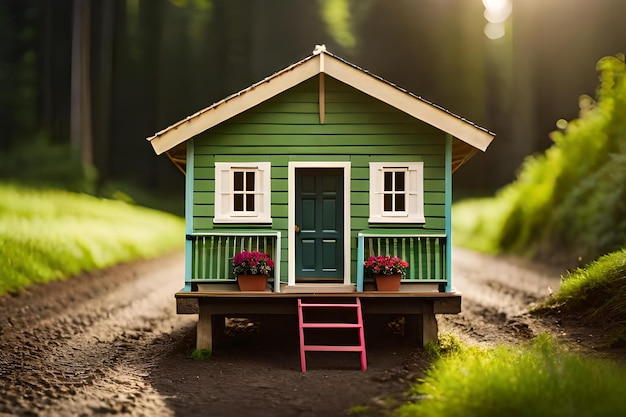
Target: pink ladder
(331,348)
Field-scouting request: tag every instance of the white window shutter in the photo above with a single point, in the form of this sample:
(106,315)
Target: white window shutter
(263,193)
(222,190)
(376,191)
(416,192)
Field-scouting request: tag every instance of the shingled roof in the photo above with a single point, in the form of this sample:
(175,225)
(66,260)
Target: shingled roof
(469,137)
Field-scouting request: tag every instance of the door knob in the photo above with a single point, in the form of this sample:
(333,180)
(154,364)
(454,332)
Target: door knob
(296,228)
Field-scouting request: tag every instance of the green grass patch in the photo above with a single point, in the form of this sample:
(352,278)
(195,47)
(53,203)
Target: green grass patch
(48,235)
(595,294)
(201,354)
(476,223)
(447,344)
(537,380)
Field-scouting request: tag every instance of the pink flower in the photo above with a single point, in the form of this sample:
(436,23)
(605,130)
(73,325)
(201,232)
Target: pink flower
(253,262)
(387,265)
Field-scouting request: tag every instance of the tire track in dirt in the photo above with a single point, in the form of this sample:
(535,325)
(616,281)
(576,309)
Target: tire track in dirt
(497,293)
(74,349)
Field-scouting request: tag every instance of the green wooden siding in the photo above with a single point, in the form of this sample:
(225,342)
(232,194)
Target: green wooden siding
(286,128)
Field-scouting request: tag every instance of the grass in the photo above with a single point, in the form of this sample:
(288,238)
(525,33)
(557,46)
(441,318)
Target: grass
(595,294)
(447,344)
(566,204)
(201,354)
(476,223)
(602,278)
(49,235)
(540,379)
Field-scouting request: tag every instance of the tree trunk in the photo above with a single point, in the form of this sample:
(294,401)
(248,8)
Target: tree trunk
(103,87)
(80,115)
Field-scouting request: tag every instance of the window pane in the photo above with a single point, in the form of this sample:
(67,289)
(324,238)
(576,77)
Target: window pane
(400,202)
(238,181)
(388,181)
(400,181)
(387,202)
(249,202)
(238,202)
(249,181)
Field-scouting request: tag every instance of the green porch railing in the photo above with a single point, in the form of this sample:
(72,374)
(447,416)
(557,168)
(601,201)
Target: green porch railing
(426,255)
(212,253)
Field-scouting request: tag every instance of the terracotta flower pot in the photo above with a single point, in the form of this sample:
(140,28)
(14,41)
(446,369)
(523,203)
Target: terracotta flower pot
(388,282)
(255,282)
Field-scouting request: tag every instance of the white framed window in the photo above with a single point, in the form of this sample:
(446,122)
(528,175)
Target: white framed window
(242,192)
(397,192)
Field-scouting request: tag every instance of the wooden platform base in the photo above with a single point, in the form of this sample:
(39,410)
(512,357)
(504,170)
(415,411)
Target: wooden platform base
(419,309)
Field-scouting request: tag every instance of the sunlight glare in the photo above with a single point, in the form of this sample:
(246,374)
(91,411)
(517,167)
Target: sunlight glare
(496,13)
(494,30)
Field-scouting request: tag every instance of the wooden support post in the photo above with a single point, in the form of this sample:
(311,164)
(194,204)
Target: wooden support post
(204,333)
(429,324)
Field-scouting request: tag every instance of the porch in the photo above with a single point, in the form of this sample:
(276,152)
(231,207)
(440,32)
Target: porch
(211,290)
(210,255)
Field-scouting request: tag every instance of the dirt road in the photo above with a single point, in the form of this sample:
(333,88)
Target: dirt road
(110,343)
(497,293)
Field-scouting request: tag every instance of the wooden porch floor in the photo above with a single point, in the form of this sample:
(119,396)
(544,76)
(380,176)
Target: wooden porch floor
(188,302)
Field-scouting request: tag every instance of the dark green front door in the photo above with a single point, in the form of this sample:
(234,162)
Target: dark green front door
(319,224)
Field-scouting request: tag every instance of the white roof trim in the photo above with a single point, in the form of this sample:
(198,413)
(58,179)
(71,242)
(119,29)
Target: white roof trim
(321,62)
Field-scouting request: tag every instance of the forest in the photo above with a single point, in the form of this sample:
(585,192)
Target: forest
(85,82)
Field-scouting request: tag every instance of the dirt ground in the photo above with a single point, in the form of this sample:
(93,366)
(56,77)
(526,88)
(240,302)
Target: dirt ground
(110,343)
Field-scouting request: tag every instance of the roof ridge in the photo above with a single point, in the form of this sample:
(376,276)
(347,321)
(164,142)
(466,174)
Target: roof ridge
(321,51)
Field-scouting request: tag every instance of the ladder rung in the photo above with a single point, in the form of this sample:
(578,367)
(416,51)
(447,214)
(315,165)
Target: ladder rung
(330,305)
(325,348)
(331,325)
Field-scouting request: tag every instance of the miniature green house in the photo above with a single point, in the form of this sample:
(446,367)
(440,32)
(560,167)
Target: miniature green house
(321,165)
